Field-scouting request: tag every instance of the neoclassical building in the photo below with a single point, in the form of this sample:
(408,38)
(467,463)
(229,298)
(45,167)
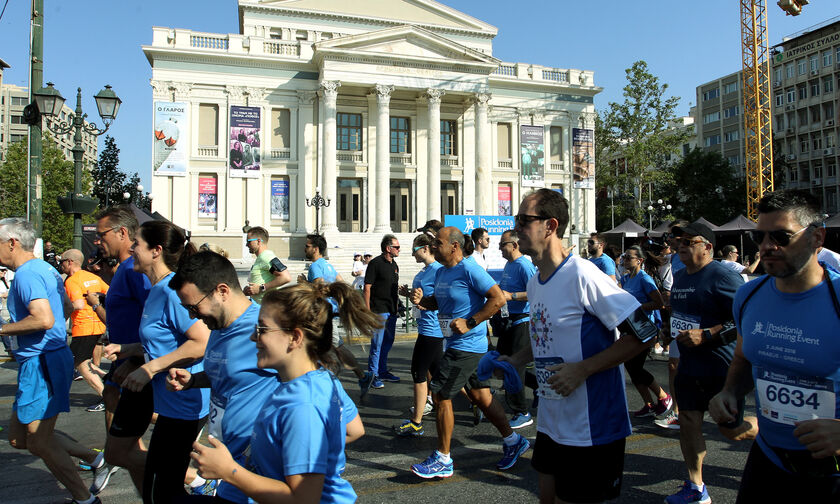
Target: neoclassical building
(395,111)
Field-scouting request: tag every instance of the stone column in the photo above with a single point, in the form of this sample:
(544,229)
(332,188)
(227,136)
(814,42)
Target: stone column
(483,170)
(329,90)
(383,157)
(303,220)
(433,143)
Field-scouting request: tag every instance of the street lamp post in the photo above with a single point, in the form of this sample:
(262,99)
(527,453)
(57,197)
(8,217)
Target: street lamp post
(661,208)
(48,102)
(318,202)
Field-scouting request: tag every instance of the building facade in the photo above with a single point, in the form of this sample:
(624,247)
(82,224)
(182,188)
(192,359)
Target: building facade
(719,121)
(805,78)
(395,111)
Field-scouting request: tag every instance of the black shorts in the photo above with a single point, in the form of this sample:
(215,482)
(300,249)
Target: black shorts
(82,347)
(786,486)
(695,392)
(581,473)
(134,413)
(428,351)
(168,458)
(457,369)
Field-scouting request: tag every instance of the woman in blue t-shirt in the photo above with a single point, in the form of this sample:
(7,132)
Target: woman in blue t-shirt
(297,447)
(638,283)
(169,337)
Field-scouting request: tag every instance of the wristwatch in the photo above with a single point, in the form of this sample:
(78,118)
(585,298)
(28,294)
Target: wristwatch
(94,307)
(513,295)
(471,323)
(262,287)
(707,335)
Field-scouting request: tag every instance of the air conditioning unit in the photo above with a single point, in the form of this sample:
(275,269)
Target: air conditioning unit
(791,157)
(790,131)
(777,84)
(829,151)
(815,72)
(816,181)
(790,106)
(829,122)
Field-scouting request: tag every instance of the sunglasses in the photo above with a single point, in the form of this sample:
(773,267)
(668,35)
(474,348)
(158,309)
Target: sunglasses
(193,308)
(591,242)
(779,237)
(261,330)
(502,244)
(249,240)
(523,220)
(687,242)
(101,235)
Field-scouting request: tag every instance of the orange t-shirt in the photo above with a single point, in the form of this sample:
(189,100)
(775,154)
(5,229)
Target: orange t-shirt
(85,322)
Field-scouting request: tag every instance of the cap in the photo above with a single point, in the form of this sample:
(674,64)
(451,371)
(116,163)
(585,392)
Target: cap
(368,254)
(357,254)
(432,225)
(695,229)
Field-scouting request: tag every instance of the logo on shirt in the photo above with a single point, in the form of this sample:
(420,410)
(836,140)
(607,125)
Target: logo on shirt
(759,328)
(540,326)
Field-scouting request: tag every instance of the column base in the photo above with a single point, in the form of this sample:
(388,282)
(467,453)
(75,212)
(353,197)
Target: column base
(382,228)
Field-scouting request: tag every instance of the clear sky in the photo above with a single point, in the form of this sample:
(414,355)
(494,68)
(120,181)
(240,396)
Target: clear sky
(90,43)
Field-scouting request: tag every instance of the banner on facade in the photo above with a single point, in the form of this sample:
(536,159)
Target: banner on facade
(171,131)
(495,226)
(207,197)
(505,204)
(244,157)
(532,145)
(280,199)
(583,158)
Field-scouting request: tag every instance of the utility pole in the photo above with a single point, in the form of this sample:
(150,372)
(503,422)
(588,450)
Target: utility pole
(34,209)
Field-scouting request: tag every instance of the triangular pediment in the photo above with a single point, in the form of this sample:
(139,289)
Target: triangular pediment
(414,12)
(404,42)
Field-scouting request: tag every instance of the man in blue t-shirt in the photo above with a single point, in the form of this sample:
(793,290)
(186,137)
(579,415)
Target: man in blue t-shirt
(787,326)
(36,301)
(595,246)
(465,296)
(510,325)
(207,285)
(701,305)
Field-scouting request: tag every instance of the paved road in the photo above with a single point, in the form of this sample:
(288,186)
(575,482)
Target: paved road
(377,464)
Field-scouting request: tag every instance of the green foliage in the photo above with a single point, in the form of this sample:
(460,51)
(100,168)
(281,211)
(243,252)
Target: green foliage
(705,185)
(111,182)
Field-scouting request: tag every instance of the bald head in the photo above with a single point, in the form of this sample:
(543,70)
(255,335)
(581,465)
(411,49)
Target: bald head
(72,260)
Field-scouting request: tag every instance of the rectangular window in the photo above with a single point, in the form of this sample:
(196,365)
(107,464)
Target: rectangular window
(348,131)
(828,84)
(708,118)
(710,94)
(803,91)
(803,145)
(400,135)
(802,66)
(208,125)
(815,63)
(503,141)
(16,119)
(829,140)
(827,57)
(734,160)
(712,140)
(732,111)
(791,95)
(794,174)
(686,149)
(780,99)
(448,138)
(817,142)
(777,75)
(19,101)
(828,110)
(280,128)
(831,170)
(730,136)
(815,87)
(16,138)
(817,171)
(730,87)
(555,135)
(789,71)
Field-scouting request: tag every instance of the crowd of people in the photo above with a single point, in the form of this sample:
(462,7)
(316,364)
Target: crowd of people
(255,367)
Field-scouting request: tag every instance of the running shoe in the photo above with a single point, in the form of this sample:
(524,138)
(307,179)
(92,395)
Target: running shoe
(376,383)
(95,501)
(408,429)
(669,421)
(478,415)
(365,382)
(688,495)
(646,411)
(84,466)
(101,477)
(208,488)
(389,377)
(432,467)
(663,406)
(513,452)
(520,420)
(427,409)
(93,408)
(77,376)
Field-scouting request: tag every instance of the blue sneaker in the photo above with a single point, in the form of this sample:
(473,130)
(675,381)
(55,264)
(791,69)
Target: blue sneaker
(208,488)
(688,495)
(376,383)
(432,467)
(364,383)
(512,453)
(389,377)
(520,420)
(408,429)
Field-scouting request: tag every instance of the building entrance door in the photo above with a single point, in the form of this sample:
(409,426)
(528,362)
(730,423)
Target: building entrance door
(349,202)
(448,199)
(400,206)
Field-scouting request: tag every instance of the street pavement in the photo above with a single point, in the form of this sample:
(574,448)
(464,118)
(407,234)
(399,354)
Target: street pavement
(378,463)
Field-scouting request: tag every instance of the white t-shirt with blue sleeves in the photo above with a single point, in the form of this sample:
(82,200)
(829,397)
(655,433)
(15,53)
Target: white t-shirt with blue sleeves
(301,429)
(574,315)
(427,324)
(163,326)
(791,341)
(321,269)
(460,293)
(36,279)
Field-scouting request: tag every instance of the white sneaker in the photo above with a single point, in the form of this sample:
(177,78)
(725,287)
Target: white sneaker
(427,409)
(669,421)
(101,476)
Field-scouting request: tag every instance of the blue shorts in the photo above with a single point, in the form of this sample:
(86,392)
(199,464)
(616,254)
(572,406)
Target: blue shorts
(44,386)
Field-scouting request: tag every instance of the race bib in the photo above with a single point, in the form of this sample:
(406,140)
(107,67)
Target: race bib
(505,313)
(214,420)
(544,390)
(444,326)
(683,322)
(13,343)
(789,399)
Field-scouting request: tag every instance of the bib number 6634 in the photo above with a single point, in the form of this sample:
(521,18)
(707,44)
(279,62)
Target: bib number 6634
(794,397)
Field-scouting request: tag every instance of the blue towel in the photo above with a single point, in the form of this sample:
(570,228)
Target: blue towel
(490,363)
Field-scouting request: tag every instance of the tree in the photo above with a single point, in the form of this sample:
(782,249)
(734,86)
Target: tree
(111,182)
(705,185)
(634,140)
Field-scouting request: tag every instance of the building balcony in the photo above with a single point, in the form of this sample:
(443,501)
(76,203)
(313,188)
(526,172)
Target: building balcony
(505,164)
(349,156)
(401,158)
(555,166)
(231,43)
(281,153)
(208,151)
(538,73)
(449,161)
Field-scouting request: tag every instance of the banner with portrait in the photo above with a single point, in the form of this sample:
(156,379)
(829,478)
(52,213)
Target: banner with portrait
(532,155)
(244,142)
(170,145)
(504,197)
(280,199)
(207,197)
(583,158)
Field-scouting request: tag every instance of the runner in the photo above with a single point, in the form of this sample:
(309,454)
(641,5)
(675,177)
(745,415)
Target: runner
(595,247)
(268,272)
(428,349)
(37,305)
(465,296)
(579,451)
(208,287)
(701,303)
(309,405)
(169,337)
(787,349)
(381,280)
(510,325)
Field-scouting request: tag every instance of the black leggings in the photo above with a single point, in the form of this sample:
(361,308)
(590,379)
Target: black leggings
(636,369)
(168,458)
(426,357)
(760,471)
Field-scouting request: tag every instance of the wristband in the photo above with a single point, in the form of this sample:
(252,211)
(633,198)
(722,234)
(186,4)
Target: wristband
(190,382)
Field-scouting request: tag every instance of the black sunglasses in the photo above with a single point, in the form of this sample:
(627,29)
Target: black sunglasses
(779,237)
(525,219)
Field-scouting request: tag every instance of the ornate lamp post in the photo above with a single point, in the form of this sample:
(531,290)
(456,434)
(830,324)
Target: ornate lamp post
(48,102)
(661,206)
(318,202)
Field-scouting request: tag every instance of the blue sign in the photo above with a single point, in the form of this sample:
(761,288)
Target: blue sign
(494,224)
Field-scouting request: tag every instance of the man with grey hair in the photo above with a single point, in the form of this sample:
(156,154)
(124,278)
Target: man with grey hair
(38,306)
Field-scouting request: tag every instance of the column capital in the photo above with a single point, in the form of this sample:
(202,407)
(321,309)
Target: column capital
(383,93)
(160,87)
(434,96)
(587,119)
(236,94)
(256,93)
(482,99)
(182,89)
(306,97)
(329,89)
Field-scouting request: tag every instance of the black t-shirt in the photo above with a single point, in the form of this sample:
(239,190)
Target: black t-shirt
(383,277)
